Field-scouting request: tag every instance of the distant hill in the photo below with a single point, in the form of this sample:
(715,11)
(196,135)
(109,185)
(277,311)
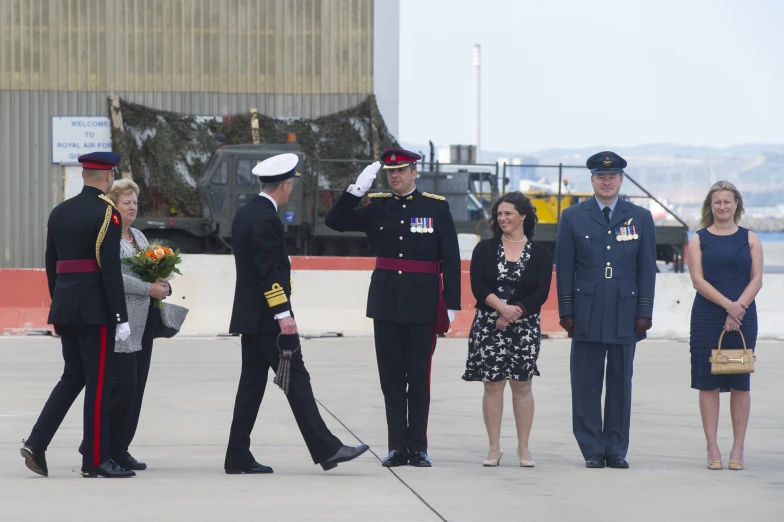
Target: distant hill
(679,174)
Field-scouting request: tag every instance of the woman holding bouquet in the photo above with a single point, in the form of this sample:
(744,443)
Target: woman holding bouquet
(132,356)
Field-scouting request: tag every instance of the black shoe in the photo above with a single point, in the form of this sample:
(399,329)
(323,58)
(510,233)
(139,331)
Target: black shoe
(128,462)
(253,468)
(394,459)
(344,454)
(595,461)
(616,461)
(108,469)
(35,460)
(420,460)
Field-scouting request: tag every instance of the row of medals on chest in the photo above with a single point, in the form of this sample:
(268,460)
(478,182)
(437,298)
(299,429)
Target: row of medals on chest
(422,225)
(626,233)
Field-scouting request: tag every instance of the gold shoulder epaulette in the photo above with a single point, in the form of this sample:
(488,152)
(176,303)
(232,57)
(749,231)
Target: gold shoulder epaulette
(104,227)
(109,201)
(380,195)
(434,196)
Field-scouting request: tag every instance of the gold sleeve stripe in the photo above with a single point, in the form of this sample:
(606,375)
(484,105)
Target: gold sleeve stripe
(276,295)
(102,233)
(275,301)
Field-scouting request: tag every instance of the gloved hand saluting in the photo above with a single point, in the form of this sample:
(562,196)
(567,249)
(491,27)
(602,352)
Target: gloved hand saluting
(365,180)
(123,332)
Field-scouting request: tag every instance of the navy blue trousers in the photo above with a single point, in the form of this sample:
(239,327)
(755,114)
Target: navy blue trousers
(587,366)
(88,352)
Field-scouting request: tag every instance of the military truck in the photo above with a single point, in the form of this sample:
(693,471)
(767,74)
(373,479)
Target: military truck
(227,184)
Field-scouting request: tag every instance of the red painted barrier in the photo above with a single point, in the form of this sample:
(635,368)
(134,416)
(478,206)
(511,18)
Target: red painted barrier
(24,300)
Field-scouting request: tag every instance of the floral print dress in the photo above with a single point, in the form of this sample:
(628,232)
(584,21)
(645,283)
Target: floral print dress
(495,355)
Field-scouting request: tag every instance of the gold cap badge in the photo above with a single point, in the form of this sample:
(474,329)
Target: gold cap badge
(607,161)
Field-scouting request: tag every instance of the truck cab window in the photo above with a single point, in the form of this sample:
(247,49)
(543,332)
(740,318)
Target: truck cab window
(243,175)
(221,176)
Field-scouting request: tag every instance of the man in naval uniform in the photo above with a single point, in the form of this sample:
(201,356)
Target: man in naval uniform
(262,314)
(605,261)
(88,312)
(414,237)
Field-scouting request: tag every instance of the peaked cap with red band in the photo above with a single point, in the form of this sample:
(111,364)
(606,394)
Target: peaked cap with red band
(398,158)
(99,160)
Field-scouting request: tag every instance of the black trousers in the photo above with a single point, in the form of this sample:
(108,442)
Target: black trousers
(129,380)
(141,368)
(587,365)
(259,354)
(88,352)
(404,354)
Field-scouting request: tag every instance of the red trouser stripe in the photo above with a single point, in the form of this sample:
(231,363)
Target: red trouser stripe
(98,397)
(429,374)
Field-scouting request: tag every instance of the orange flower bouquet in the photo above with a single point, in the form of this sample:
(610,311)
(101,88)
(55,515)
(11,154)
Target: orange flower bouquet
(154,263)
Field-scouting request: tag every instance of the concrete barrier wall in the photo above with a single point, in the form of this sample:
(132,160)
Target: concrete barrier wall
(330,296)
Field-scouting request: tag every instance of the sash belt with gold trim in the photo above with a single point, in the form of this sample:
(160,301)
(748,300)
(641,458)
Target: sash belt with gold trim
(421,267)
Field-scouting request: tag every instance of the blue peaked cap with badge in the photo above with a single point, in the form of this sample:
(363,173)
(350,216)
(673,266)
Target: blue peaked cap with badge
(277,168)
(606,162)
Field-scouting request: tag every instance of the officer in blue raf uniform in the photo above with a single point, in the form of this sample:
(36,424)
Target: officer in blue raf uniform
(605,258)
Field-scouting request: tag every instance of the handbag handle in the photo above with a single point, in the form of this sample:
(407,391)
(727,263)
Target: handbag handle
(741,338)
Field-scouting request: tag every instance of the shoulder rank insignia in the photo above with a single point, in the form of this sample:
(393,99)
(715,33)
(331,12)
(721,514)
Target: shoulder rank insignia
(434,196)
(276,295)
(107,200)
(380,195)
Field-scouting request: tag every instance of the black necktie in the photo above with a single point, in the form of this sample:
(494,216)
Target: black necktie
(606,212)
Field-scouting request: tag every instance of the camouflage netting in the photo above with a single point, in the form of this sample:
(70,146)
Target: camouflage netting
(167,151)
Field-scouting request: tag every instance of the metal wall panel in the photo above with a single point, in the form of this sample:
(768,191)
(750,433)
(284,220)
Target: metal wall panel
(288,58)
(30,185)
(229,46)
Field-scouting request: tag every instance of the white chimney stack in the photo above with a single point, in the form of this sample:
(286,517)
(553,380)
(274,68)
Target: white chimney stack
(476,101)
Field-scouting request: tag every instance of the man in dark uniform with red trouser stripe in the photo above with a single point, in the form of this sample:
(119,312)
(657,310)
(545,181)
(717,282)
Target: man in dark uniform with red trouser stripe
(414,237)
(88,312)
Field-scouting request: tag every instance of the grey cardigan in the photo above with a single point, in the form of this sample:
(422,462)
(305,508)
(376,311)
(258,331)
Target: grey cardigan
(137,296)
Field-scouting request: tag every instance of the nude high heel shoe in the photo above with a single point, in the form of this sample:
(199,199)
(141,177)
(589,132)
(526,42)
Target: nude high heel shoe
(490,463)
(526,463)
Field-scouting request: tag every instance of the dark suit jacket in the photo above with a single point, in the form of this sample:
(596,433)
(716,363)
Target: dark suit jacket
(74,228)
(406,297)
(535,283)
(263,287)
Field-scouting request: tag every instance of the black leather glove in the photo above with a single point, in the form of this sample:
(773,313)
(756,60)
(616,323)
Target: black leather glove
(642,325)
(567,323)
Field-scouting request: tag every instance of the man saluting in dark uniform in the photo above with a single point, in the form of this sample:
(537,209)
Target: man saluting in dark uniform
(88,312)
(414,237)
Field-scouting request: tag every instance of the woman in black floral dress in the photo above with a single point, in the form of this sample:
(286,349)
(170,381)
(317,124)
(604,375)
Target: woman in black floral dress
(510,278)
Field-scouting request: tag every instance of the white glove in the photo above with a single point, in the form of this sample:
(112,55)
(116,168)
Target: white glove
(123,332)
(365,180)
(451,314)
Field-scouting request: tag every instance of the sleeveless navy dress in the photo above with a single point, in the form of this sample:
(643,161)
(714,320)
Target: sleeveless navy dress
(726,264)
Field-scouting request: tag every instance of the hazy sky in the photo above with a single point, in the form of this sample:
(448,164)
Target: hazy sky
(575,73)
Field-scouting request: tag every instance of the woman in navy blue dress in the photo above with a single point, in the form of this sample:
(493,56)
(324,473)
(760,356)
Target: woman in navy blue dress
(725,264)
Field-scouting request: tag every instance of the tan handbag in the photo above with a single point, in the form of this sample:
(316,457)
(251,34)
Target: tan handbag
(725,362)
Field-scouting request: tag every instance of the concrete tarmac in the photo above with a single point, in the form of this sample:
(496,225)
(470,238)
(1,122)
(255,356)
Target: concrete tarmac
(188,407)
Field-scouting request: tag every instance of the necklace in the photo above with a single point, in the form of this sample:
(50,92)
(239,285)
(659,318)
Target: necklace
(128,240)
(513,241)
